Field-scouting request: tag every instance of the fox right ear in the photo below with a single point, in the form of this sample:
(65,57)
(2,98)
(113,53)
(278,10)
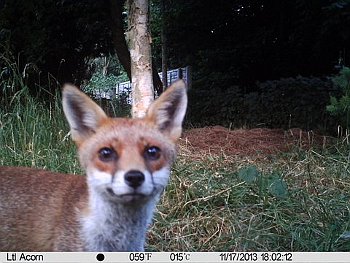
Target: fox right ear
(168,111)
(83,114)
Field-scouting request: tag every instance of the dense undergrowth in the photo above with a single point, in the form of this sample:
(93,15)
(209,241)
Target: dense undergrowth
(286,103)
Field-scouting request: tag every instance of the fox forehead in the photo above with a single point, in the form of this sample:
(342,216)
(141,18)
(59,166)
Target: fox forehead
(126,137)
(130,131)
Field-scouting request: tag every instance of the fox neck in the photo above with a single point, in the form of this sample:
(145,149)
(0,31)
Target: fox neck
(111,226)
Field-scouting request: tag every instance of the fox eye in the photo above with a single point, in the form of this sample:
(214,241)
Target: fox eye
(107,154)
(152,153)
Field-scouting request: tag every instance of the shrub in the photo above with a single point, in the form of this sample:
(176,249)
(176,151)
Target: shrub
(286,103)
(101,85)
(340,107)
(294,102)
(215,107)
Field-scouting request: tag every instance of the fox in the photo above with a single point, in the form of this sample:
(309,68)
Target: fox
(127,162)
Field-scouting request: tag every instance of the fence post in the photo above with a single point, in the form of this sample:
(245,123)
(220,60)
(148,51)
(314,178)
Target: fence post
(180,73)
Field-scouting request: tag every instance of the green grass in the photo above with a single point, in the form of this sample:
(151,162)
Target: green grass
(297,201)
(208,207)
(36,135)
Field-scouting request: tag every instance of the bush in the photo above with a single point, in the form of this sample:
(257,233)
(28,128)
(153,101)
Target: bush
(295,102)
(102,86)
(340,107)
(286,103)
(215,107)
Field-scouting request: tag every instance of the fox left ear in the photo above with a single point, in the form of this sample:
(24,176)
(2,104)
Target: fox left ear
(168,111)
(83,114)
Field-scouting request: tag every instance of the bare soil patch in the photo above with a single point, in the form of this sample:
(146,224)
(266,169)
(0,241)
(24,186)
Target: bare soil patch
(249,142)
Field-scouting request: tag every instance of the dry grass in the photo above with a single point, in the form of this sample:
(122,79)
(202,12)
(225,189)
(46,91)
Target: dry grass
(207,207)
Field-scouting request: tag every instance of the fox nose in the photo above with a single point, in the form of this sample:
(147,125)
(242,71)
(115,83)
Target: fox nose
(134,178)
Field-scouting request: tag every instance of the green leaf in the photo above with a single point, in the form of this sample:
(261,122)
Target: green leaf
(331,109)
(278,188)
(346,72)
(249,174)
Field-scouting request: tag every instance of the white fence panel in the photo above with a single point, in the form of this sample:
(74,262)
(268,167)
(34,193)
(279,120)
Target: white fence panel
(124,88)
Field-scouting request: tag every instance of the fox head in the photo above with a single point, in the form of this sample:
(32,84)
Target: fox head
(126,160)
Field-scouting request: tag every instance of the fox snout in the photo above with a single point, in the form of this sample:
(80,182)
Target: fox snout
(131,186)
(134,178)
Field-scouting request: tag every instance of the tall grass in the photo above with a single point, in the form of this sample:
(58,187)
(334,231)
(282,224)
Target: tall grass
(207,206)
(32,135)
(32,132)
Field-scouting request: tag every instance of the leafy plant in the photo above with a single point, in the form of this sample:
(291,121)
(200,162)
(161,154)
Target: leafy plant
(265,184)
(101,83)
(107,72)
(341,107)
(249,174)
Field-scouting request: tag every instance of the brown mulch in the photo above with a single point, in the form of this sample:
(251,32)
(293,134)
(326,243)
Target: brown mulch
(260,141)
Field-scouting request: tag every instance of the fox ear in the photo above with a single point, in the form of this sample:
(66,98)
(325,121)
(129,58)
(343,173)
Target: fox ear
(168,111)
(83,114)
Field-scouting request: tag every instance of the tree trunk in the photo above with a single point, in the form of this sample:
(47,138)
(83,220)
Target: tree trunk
(116,11)
(121,47)
(140,54)
(164,46)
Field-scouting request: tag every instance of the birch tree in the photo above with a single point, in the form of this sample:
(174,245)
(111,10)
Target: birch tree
(140,53)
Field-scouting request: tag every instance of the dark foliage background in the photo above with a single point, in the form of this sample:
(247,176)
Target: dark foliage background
(285,103)
(54,38)
(265,62)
